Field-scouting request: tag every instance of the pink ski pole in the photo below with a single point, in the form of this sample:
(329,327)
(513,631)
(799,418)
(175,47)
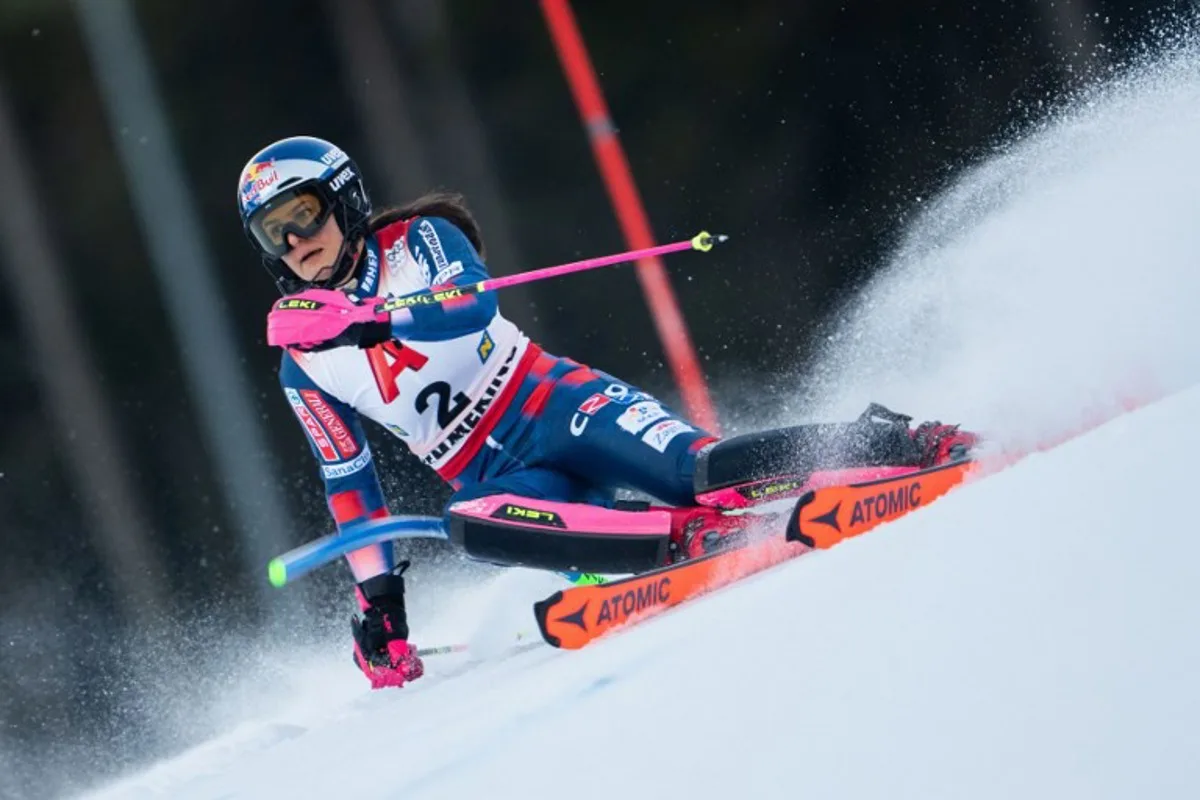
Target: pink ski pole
(702,241)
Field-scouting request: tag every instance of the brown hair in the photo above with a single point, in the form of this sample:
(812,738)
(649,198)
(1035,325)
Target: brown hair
(450,206)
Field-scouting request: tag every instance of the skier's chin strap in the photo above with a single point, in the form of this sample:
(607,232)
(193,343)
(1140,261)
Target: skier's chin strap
(345,266)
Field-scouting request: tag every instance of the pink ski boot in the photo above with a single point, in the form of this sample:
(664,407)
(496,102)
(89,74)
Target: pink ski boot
(701,530)
(940,444)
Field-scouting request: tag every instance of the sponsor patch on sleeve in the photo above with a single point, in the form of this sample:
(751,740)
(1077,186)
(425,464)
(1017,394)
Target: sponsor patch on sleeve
(448,274)
(312,427)
(338,431)
(635,418)
(659,436)
(429,235)
(331,471)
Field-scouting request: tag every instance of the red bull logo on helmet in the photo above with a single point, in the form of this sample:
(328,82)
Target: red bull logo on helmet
(257,178)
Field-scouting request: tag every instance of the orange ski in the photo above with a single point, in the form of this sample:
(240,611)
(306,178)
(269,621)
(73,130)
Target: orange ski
(574,617)
(827,516)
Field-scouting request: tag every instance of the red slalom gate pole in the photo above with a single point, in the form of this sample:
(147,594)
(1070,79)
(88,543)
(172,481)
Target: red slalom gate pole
(631,213)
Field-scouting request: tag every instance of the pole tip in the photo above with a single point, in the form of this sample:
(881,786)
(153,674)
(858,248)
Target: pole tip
(277,573)
(704,241)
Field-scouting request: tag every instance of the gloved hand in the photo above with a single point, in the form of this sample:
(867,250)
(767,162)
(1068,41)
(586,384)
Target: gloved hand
(381,648)
(321,319)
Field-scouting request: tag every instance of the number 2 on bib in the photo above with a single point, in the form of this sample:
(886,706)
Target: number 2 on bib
(445,413)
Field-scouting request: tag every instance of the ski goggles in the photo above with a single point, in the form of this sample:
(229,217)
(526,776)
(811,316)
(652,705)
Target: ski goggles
(301,211)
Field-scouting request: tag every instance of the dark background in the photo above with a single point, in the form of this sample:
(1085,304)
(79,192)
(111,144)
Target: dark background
(808,131)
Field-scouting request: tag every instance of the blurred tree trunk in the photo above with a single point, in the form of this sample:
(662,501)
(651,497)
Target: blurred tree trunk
(166,211)
(389,107)
(75,399)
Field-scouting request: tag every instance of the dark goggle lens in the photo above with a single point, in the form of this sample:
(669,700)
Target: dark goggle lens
(302,213)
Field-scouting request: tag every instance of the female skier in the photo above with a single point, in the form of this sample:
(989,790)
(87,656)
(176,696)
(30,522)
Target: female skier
(469,394)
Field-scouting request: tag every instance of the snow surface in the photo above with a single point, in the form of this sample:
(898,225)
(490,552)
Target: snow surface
(1031,635)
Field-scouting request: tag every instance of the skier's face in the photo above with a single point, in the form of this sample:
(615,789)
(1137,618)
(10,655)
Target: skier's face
(312,258)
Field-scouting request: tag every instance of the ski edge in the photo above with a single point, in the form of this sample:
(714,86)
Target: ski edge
(709,574)
(744,561)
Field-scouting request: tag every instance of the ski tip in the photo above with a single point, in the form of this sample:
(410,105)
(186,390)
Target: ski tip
(277,573)
(793,532)
(704,241)
(541,612)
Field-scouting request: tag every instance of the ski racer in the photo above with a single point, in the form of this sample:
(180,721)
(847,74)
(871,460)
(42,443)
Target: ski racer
(469,393)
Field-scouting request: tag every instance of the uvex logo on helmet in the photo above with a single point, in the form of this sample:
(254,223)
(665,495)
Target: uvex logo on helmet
(304,164)
(334,157)
(341,179)
(256,178)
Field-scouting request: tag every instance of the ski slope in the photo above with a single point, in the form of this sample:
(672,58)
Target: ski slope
(1031,635)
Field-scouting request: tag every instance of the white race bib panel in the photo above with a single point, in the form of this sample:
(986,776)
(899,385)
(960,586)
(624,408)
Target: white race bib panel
(431,394)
